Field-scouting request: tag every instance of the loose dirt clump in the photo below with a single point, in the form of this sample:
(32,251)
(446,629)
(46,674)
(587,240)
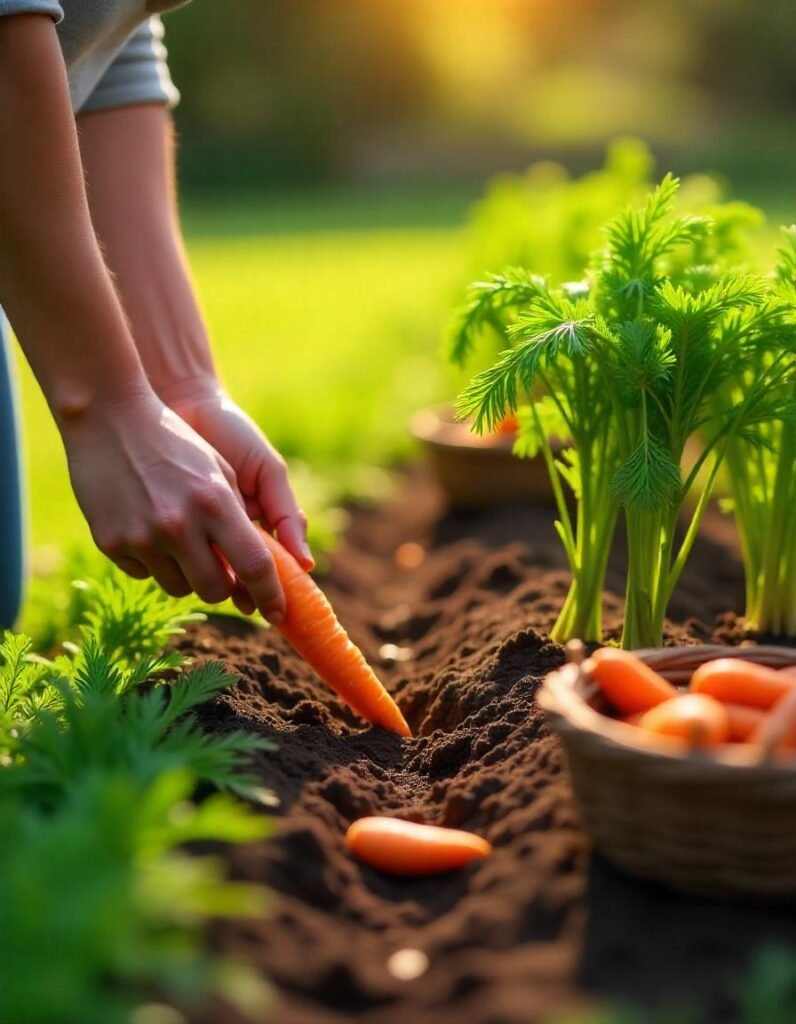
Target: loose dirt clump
(540,927)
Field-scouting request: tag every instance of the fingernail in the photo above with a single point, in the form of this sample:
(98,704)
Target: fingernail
(275,618)
(305,550)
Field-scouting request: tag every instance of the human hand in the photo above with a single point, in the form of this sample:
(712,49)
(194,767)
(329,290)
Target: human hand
(260,471)
(162,502)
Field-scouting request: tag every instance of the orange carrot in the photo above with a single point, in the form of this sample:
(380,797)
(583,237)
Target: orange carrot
(508,425)
(735,681)
(313,631)
(701,720)
(626,681)
(406,848)
(778,729)
(744,720)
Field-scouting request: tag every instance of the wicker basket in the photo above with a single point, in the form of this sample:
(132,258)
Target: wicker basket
(719,823)
(475,472)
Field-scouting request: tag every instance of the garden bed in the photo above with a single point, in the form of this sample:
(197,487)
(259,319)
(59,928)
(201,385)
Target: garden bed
(539,928)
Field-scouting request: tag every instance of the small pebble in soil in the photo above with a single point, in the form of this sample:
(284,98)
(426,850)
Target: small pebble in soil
(407,964)
(392,652)
(409,555)
(396,617)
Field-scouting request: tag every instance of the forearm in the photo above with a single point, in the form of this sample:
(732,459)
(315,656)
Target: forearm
(129,162)
(53,282)
(128,156)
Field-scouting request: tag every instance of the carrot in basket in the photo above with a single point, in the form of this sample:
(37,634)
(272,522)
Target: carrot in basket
(701,720)
(744,720)
(407,848)
(313,631)
(628,683)
(778,730)
(735,681)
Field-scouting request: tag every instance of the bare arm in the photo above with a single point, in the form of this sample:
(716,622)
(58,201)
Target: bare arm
(158,498)
(53,281)
(128,156)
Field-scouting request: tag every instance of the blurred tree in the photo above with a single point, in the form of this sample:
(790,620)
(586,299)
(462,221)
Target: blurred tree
(275,89)
(745,51)
(304,90)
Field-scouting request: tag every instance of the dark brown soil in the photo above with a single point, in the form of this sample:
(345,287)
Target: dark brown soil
(542,926)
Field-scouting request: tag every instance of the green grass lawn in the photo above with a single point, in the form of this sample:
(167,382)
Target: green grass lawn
(329,338)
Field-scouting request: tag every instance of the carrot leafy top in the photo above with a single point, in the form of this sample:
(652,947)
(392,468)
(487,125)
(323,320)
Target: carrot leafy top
(667,342)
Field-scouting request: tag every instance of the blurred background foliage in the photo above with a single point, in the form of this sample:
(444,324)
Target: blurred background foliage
(347,166)
(330,91)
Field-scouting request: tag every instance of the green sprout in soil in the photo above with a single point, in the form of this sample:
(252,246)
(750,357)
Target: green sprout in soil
(631,366)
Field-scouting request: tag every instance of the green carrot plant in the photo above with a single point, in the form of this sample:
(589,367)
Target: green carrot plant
(763,484)
(560,398)
(633,364)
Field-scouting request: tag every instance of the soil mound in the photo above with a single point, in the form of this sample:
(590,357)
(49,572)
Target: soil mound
(542,926)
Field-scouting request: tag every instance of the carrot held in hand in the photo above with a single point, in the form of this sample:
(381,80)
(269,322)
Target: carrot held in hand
(628,683)
(701,720)
(313,631)
(406,848)
(735,681)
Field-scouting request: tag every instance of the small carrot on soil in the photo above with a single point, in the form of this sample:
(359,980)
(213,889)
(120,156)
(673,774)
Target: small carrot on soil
(735,681)
(628,683)
(407,848)
(701,720)
(313,631)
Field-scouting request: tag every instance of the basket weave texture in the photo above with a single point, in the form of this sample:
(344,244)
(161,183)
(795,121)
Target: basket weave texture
(720,823)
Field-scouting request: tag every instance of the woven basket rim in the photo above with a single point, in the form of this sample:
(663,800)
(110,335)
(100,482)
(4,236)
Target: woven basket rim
(561,698)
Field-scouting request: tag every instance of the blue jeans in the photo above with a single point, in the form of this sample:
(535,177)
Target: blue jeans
(12,519)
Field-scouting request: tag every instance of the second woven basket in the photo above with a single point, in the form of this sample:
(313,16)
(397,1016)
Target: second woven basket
(720,823)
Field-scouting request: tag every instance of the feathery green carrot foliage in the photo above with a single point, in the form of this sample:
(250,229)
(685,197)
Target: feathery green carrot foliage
(99,761)
(643,357)
(761,462)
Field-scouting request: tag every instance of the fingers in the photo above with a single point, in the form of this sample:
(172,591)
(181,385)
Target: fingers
(241,597)
(138,555)
(232,479)
(168,575)
(248,557)
(292,534)
(207,575)
(132,567)
(281,510)
(200,539)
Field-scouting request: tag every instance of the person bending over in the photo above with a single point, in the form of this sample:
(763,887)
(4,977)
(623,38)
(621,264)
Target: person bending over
(167,470)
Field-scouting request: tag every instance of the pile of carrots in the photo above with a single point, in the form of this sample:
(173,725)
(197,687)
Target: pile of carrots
(728,700)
